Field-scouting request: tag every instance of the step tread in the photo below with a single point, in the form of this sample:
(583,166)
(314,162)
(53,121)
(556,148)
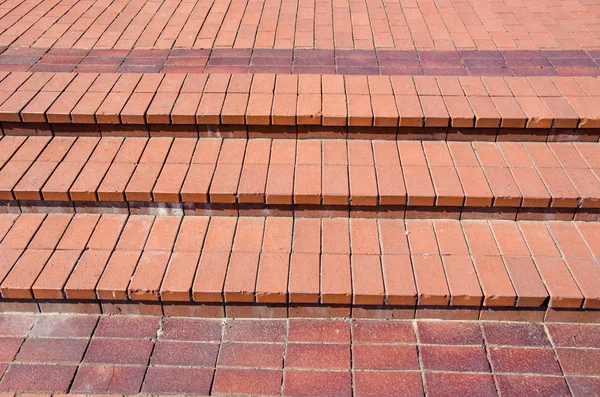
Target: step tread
(300,100)
(305,173)
(284,260)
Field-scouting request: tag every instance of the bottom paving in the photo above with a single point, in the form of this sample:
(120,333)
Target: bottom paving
(88,354)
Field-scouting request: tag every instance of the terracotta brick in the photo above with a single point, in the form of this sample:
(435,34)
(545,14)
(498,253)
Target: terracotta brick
(494,280)
(54,276)
(113,283)
(559,283)
(304,278)
(21,278)
(460,111)
(272,279)
(410,111)
(334,109)
(50,232)
(462,279)
(82,282)
(434,111)
(22,231)
(258,111)
(510,111)
(537,113)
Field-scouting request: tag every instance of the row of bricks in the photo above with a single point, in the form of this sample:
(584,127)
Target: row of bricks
(306,61)
(300,261)
(362,25)
(326,345)
(304,172)
(332,100)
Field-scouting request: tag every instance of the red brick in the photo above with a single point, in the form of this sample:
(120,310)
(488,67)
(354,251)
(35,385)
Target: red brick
(324,383)
(454,358)
(50,350)
(162,380)
(273,331)
(384,357)
(38,377)
(521,360)
(251,355)
(118,351)
(108,379)
(528,384)
(187,354)
(256,381)
(441,383)
(317,356)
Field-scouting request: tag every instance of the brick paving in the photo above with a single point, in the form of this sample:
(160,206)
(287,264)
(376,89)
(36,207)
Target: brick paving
(280,266)
(305,61)
(85,354)
(220,103)
(405,25)
(508,180)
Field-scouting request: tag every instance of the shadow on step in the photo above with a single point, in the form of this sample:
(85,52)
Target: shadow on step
(291,310)
(307,211)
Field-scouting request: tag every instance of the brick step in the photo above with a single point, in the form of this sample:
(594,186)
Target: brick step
(283,266)
(207,176)
(240,105)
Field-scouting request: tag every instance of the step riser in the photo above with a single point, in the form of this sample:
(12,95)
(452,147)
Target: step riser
(304,132)
(301,211)
(544,314)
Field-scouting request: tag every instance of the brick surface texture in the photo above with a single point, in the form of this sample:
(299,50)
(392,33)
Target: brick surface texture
(293,357)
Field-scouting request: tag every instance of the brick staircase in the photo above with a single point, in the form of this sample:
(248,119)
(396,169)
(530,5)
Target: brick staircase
(263,195)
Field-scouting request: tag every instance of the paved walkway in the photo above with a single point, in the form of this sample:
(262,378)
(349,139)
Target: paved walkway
(126,355)
(343,24)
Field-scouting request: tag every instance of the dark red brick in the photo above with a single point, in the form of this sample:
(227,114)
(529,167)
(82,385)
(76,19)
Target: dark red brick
(449,333)
(64,326)
(232,381)
(512,334)
(583,386)
(382,331)
(454,358)
(317,383)
(267,355)
(127,327)
(255,330)
(378,383)
(8,348)
(579,361)
(108,379)
(190,354)
(305,330)
(118,351)
(172,380)
(455,384)
(534,386)
(38,378)
(523,360)
(574,335)
(51,350)
(367,356)
(317,356)
(187,329)
(16,324)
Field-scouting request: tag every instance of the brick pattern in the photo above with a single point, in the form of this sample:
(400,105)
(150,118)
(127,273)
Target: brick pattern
(305,61)
(519,180)
(294,357)
(568,25)
(498,105)
(282,261)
